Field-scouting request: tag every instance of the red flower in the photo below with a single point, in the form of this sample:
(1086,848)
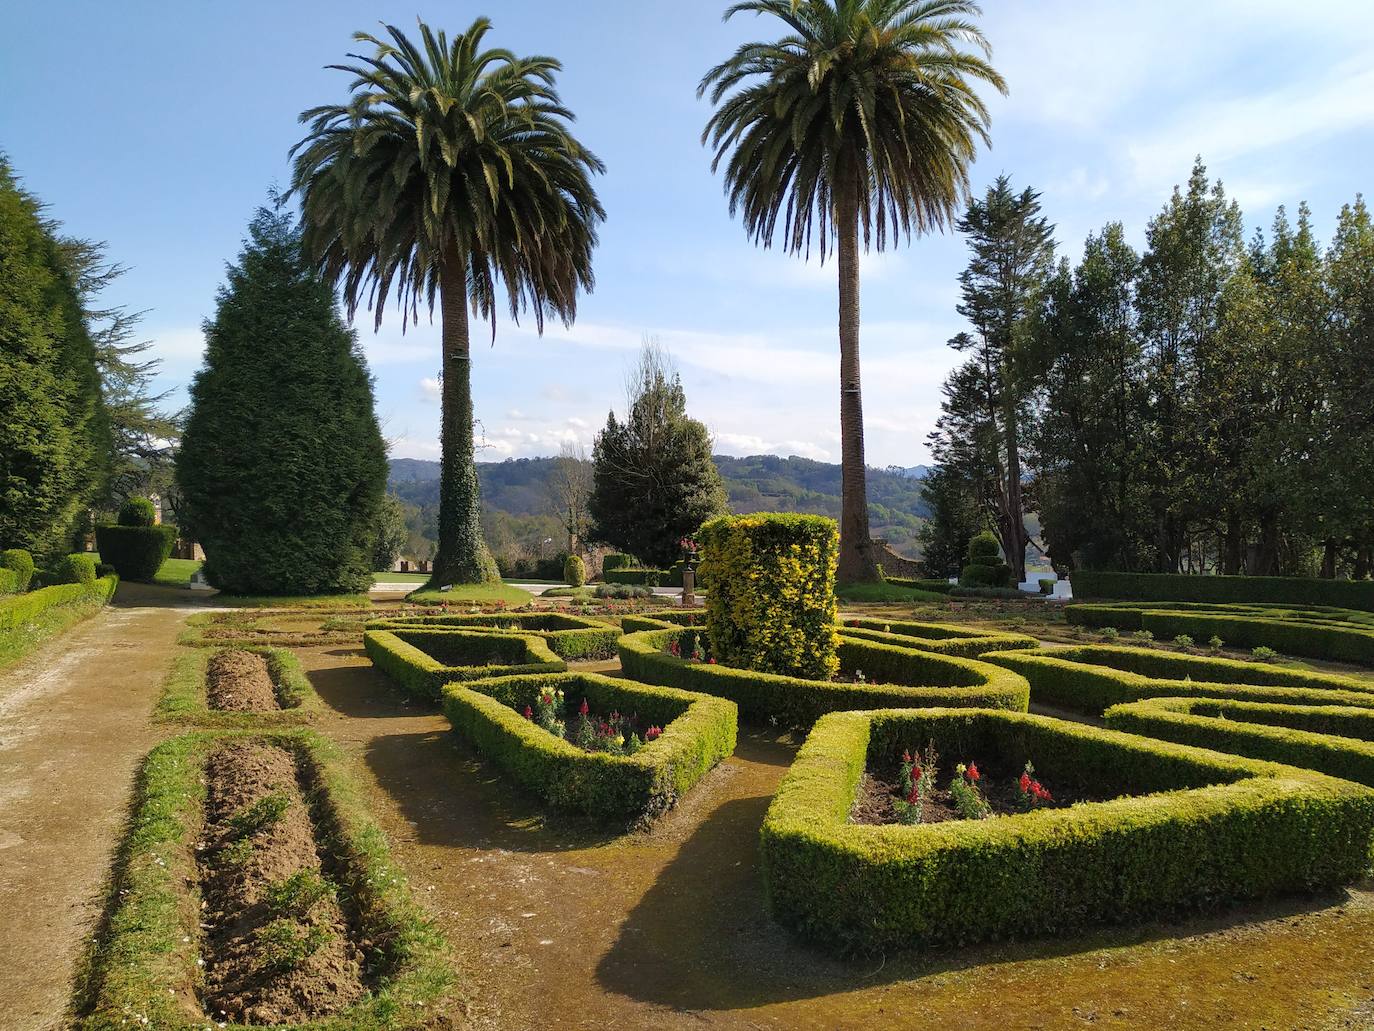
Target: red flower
(529,713)
(915,795)
(652,733)
(584,708)
(712,660)
(1025,783)
(973,773)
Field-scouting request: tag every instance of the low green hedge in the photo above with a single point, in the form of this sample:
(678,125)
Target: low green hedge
(16,611)
(1203,829)
(698,732)
(663,619)
(635,576)
(144,966)
(184,697)
(944,638)
(1309,636)
(1353,594)
(18,562)
(1335,740)
(934,586)
(569,637)
(893,677)
(423,661)
(1092,678)
(135,552)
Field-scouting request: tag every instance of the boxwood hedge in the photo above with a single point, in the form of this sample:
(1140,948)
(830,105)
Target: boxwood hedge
(945,638)
(698,732)
(1355,594)
(892,677)
(1092,678)
(20,609)
(423,661)
(184,697)
(568,636)
(136,552)
(662,619)
(1200,829)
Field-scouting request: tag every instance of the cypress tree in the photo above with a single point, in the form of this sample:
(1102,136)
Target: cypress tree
(54,437)
(282,466)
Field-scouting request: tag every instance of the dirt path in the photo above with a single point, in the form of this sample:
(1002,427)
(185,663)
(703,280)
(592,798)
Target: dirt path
(73,726)
(557,925)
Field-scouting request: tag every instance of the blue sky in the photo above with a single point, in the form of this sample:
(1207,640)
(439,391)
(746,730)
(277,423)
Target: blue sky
(158,127)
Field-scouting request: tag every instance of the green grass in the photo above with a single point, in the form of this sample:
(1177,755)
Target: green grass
(177,572)
(531,580)
(19,642)
(316,601)
(383,577)
(473,594)
(885,592)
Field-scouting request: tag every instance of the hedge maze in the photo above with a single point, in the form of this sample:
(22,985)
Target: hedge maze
(569,637)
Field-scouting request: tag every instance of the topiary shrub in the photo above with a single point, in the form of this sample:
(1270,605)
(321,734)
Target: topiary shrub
(135,550)
(574,572)
(617,561)
(771,607)
(78,568)
(20,563)
(985,566)
(137,512)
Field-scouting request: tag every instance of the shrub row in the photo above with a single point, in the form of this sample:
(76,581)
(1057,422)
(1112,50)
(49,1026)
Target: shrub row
(25,608)
(663,619)
(1336,740)
(934,586)
(423,661)
(1204,828)
(698,732)
(636,576)
(568,636)
(1354,594)
(1090,679)
(184,691)
(1310,638)
(945,638)
(893,677)
(144,968)
(135,552)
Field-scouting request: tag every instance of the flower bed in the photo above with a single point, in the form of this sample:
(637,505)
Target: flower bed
(187,696)
(697,732)
(1203,829)
(423,661)
(1334,739)
(892,676)
(1091,678)
(944,638)
(348,953)
(568,637)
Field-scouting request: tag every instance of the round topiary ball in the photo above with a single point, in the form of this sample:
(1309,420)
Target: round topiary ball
(21,562)
(984,546)
(77,568)
(137,512)
(574,571)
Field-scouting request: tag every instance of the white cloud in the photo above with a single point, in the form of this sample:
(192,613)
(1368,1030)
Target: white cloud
(430,389)
(744,444)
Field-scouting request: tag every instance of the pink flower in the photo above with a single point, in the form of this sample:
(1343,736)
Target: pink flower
(712,660)
(529,713)
(906,757)
(652,733)
(584,708)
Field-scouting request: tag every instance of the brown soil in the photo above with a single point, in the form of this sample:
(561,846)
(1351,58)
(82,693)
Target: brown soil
(873,801)
(238,681)
(242,981)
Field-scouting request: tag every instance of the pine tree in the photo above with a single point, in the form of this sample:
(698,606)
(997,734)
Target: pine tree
(954,519)
(282,466)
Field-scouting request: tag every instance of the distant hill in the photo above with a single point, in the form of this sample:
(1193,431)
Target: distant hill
(760,483)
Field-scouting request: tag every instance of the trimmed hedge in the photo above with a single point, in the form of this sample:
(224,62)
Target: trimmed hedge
(184,696)
(663,619)
(1092,678)
(945,638)
(893,677)
(772,604)
(698,732)
(617,561)
(19,563)
(76,568)
(423,661)
(1203,829)
(145,963)
(934,586)
(1335,740)
(25,608)
(568,637)
(1312,636)
(9,581)
(135,552)
(635,576)
(1353,594)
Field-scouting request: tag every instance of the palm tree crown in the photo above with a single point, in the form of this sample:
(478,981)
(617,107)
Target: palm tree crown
(447,152)
(877,93)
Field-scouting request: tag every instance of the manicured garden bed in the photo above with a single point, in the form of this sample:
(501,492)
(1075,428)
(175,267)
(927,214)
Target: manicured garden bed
(944,638)
(497,595)
(568,636)
(254,888)
(891,676)
(498,717)
(1091,678)
(240,686)
(1203,829)
(423,661)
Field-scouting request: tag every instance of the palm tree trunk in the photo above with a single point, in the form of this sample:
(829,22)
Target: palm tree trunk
(462,557)
(857,564)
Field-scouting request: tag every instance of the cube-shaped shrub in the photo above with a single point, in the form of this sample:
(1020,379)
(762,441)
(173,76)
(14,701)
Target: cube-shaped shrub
(1192,830)
(568,636)
(1092,678)
(190,697)
(771,607)
(1336,740)
(423,661)
(871,676)
(698,731)
(945,638)
(136,552)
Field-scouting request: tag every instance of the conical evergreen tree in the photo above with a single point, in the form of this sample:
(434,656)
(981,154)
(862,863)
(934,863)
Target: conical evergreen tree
(282,465)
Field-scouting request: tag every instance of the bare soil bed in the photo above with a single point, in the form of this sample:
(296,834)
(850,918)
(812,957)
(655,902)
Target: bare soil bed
(277,946)
(239,681)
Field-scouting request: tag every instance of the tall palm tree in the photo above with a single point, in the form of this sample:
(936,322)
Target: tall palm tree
(864,116)
(452,172)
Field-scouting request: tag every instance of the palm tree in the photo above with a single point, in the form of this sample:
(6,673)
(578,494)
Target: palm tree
(452,172)
(864,116)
